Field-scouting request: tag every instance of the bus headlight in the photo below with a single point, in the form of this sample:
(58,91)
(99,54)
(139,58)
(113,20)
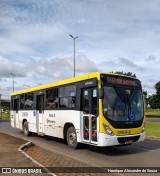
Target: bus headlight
(108,130)
(143,129)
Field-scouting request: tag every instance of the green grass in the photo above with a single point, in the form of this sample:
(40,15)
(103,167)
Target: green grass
(153,129)
(152,113)
(5,116)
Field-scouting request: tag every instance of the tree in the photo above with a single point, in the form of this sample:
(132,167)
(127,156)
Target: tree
(154,100)
(157,87)
(147,99)
(145,94)
(126,73)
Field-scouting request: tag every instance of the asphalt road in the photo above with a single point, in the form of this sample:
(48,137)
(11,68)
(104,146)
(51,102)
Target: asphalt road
(142,154)
(154,120)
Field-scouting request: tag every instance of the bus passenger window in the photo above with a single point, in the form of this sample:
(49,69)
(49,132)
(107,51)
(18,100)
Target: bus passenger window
(52,98)
(29,101)
(22,101)
(16,105)
(67,96)
(12,104)
(67,102)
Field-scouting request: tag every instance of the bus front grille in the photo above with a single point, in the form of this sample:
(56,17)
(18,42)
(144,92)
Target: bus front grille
(122,140)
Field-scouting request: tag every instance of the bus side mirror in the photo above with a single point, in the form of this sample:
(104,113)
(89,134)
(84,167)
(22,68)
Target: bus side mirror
(101,93)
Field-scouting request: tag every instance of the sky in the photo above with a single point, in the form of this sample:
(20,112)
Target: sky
(113,35)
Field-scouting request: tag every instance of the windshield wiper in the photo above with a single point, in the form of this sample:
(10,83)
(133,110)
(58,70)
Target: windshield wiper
(129,100)
(119,94)
(121,97)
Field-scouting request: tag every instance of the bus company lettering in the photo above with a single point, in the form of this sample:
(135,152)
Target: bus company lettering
(88,83)
(50,115)
(50,121)
(121,81)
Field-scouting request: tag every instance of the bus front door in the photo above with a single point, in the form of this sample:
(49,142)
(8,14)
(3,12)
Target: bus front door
(40,113)
(16,116)
(89,117)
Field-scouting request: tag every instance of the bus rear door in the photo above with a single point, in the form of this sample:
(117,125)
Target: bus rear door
(40,113)
(89,115)
(16,116)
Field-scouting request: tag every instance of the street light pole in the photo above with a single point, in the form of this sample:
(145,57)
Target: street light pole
(74,38)
(13,79)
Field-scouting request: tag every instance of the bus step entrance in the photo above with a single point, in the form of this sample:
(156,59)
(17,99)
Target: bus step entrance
(41,134)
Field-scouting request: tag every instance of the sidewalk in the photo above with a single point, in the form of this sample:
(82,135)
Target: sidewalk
(11,157)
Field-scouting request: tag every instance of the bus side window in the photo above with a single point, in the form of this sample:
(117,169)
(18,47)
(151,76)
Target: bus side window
(67,96)
(12,104)
(52,98)
(16,105)
(22,101)
(29,101)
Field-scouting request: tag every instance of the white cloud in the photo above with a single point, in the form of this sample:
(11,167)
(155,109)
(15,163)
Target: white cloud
(7,67)
(113,36)
(57,74)
(62,68)
(83,64)
(128,62)
(41,70)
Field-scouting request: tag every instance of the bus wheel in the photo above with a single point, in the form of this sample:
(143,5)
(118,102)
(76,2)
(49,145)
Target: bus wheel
(72,138)
(26,128)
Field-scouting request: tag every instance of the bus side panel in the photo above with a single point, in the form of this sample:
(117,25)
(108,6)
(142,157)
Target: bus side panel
(55,120)
(31,119)
(12,119)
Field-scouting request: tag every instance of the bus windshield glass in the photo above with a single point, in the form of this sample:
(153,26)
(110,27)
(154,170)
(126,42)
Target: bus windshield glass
(122,103)
(123,100)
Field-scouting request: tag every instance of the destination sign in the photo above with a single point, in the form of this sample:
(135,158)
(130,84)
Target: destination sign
(120,80)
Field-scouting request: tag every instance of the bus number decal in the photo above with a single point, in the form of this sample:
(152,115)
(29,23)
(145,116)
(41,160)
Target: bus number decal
(123,132)
(24,114)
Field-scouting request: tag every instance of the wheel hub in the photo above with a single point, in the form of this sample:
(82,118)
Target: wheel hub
(72,138)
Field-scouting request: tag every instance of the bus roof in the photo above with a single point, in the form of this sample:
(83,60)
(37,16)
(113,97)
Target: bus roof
(66,81)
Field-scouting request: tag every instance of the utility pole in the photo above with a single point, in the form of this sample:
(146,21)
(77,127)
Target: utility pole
(74,38)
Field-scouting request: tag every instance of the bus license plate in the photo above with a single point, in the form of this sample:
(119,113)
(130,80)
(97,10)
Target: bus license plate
(129,142)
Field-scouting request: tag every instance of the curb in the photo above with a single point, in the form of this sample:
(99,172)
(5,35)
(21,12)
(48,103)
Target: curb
(28,144)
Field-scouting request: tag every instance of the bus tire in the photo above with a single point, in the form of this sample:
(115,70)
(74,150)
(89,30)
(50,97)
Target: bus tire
(26,129)
(72,138)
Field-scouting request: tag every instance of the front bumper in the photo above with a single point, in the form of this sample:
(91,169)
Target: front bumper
(107,140)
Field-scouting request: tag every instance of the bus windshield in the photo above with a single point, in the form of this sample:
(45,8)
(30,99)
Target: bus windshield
(122,104)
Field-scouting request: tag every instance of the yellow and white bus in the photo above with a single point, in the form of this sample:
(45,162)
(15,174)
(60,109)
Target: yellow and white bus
(102,109)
